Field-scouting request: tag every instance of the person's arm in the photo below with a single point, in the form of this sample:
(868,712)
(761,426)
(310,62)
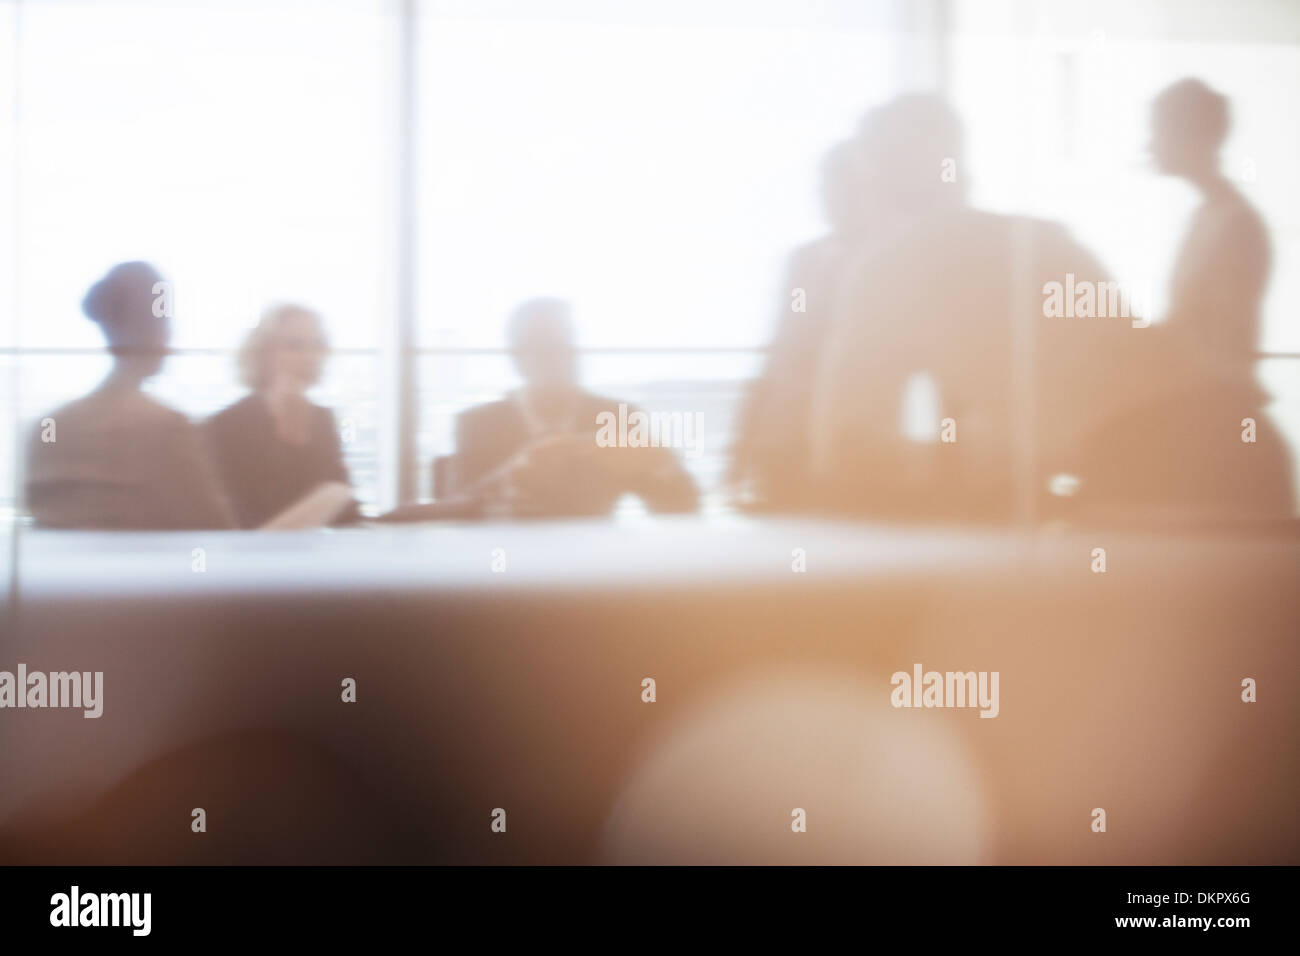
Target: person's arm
(469,466)
(226,442)
(480,472)
(652,473)
(663,483)
(337,469)
(1223,273)
(761,435)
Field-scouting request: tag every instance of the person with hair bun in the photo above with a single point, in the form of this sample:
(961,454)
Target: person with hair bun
(1217,290)
(1175,451)
(117,458)
(274,447)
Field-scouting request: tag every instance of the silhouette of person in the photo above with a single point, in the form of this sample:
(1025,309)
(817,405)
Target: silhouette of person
(535,452)
(1147,423)
(1223,266)
(116,458)
(274,446)
(771,453)
(953,292)
(1197,442)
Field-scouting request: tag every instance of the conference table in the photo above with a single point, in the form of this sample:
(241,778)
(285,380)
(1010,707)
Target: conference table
(686,689)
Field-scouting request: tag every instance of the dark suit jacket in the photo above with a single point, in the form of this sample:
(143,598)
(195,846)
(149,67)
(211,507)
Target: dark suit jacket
(946,298)
(488,436)
(263,474)
(772,447)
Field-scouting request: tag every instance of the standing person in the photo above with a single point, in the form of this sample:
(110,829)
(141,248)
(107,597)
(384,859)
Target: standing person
(772,452)
(953,292)
(1179,452)
(1223,266)
(116,458)
(274,446)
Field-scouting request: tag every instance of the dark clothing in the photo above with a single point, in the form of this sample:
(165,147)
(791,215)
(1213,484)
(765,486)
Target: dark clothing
(488,436)
(773,445)
(1134,412)
(1218,286)
(960,296)
(1182,456)
(262,473)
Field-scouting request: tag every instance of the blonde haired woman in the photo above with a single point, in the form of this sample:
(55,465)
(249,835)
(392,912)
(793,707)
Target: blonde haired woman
(274,447)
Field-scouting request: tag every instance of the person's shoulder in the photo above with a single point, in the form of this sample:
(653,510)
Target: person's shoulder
(1034,228)
(590,404)
(322,413)
(811,255)
(234,422)
(147,420)
(1051,242)
(131,407)
(1235,211)
(986,222)
(76,408)
(237,411)
(69,414)
(956,231)
(485,414)
(162,416)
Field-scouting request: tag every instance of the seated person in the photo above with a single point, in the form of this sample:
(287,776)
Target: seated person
(274,446)
(535,452)
(116,458)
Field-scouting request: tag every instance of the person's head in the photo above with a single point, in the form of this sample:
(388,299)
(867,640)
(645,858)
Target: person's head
(285,350)
(1189,123)
(130,306)
(906,145)
(540,334)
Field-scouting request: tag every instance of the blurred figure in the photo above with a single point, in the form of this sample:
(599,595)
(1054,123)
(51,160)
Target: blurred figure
(535,453)
(274,446)
(118,459)
(1199,442)
(772,451)
(1142,422)
(875,189)
(1223,266)
(903,192)
(954,293)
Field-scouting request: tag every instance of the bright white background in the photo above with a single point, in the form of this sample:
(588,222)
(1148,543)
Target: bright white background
(652,160)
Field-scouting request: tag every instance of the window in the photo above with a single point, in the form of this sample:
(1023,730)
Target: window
(653,161)
(1056,102)
(240,147)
